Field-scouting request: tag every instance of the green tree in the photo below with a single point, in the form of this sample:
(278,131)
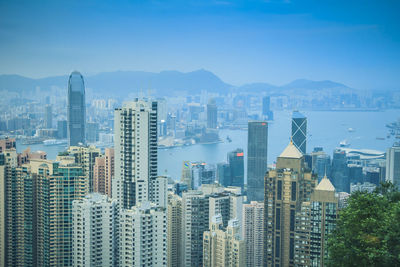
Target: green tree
(368,230)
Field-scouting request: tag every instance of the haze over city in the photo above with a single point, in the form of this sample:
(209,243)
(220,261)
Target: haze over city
(351,42)
(199,133)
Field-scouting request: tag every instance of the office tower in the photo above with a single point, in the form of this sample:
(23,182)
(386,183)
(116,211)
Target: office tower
(17,207)
(174,256)
(62,129)
(223,248)
(109,170)
(135,126)
(236,164)
(266,110)
(143,236)
(340,171)
(194,223)
(224,174)
(86,157)
(195,174)
(76,113)
(299,131)
(253,227)
(212,114)
(95,231)
(257,153)
(62,182)
(92,132)
(322,165)
(286,187)
(393,165)
(315,221)
(48,117)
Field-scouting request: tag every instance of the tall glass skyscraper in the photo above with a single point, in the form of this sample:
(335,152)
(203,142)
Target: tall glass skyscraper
(76,109)
(299,131)
(257,147)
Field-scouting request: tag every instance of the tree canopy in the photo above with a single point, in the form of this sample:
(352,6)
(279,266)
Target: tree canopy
(368,230)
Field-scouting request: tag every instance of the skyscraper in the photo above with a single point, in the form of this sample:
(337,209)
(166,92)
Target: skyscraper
(76,112)
(286,187)
(212,113)
(103,171)
(257,153)
(48,117)
(299,131)
(340,171)
(236,164)
(195,174)
(393,165)
(266,111)
(253,226)
(135,126)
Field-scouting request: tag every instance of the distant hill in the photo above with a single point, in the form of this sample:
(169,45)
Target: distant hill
(125,82)
(163,83)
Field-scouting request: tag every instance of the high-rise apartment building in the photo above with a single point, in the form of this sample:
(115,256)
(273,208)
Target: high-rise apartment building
(103,171)
(17,206)
(286,187)
(135,126)
(299,131)
(253,232)
(95,231)
(143,236)
(76,112)
(227,204)
(236,165)
(257,153)
(48,117)
(212,114)
(223,248)
(393,165)
(194,223)
(174,257)
(86,157)
(314,222)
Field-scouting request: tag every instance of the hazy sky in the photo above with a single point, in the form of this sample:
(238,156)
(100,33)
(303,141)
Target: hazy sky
(353,42)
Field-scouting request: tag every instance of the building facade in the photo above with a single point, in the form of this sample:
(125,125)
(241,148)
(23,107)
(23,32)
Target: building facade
(257,153)
(253,232)
(299,131)
(393,165)
(135,126)
(95,231)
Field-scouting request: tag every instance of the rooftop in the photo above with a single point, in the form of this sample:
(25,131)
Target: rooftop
(325,185)
(291,152)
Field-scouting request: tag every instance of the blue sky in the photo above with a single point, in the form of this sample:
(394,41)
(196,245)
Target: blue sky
(353,42)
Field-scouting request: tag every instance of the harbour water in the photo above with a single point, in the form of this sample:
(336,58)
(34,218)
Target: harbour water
(325,129)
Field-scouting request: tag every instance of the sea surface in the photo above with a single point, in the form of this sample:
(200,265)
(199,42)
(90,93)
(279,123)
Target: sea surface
(325,129)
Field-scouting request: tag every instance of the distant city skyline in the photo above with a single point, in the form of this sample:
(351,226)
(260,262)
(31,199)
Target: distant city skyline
(241,42)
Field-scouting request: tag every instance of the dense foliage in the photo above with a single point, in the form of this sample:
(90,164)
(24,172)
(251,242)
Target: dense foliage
(368,230)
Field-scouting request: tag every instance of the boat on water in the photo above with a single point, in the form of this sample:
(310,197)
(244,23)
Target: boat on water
(228,139)
(380,138)
(344,143)
(54,142)
(350,130)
